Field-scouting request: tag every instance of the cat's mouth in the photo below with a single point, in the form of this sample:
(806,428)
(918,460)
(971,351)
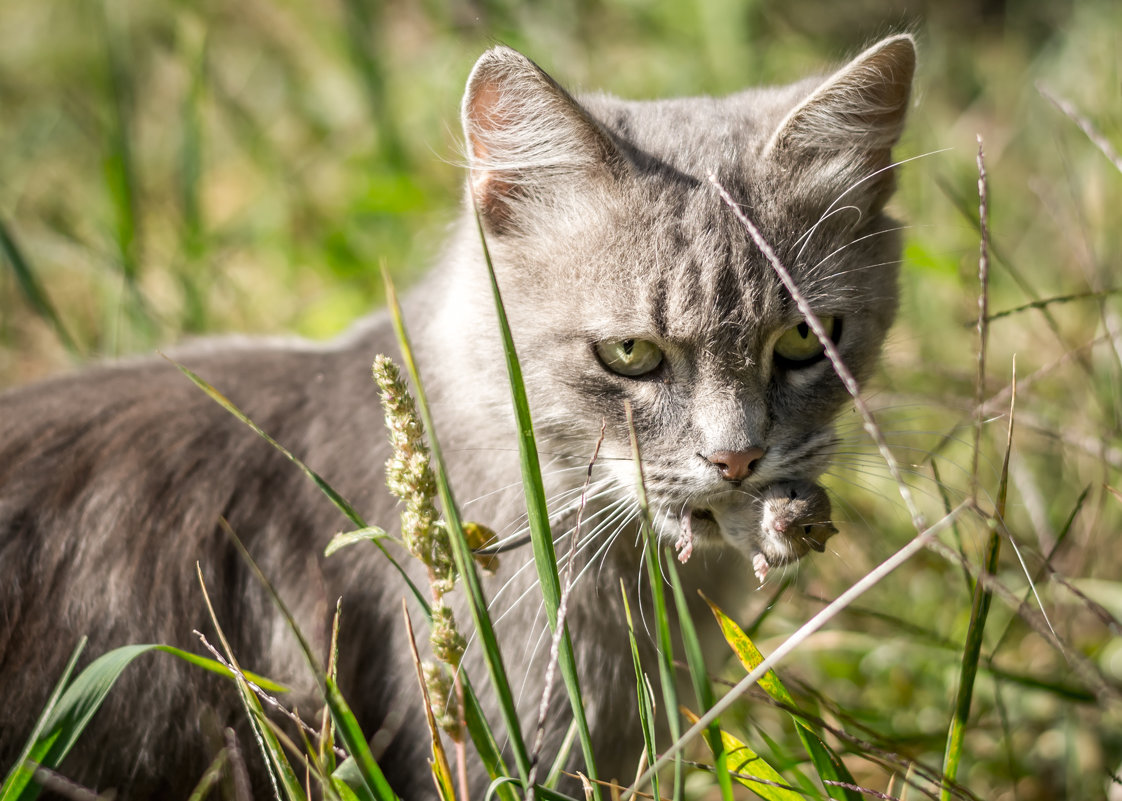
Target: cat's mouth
(701,527)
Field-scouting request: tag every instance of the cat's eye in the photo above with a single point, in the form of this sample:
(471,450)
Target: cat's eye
(799,346)
(629,357)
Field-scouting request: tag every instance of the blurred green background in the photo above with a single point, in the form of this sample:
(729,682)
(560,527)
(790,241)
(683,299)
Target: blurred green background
(170,168)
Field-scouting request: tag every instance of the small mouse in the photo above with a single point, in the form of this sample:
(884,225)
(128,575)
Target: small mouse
(795,518)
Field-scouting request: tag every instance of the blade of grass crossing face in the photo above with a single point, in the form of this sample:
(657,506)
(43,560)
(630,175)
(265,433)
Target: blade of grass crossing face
(667,676)
(465,564)
(979,611)
(700,678)
(541,535)
(828,764)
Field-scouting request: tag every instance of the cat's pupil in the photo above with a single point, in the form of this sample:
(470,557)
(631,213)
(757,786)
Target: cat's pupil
(804,329)
(628,345)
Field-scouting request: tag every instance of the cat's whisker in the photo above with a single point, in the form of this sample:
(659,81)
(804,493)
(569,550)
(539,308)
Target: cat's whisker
(808,233)
(861,268)
(585,542)
(610,511)
(573,502)
(562,560)
(890,166)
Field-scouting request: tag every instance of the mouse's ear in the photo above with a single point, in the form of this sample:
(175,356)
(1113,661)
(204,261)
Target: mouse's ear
(526,136)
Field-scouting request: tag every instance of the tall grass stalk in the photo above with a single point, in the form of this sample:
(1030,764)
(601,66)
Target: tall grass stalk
(664,643)
(465,564)
(541,534)
(979,613)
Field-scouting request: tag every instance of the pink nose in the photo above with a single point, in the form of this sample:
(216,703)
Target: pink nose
(736,465)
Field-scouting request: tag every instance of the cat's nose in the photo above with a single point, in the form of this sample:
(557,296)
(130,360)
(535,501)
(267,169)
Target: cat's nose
(736,465)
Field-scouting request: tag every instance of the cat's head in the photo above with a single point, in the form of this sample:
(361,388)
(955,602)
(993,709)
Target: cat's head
(628,281)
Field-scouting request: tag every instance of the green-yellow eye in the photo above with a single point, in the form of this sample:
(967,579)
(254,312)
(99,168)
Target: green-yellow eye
(799,347)
(629,357)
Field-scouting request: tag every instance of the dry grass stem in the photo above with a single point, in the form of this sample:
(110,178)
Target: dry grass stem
(440,758)
(269,700)
(832,353)
(1088,127)
(983,315)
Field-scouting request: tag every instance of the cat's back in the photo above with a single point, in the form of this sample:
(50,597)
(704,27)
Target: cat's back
(114,482)
(62,438)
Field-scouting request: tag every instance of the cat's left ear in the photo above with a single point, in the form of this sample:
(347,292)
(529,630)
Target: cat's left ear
(526,137)
(847,127)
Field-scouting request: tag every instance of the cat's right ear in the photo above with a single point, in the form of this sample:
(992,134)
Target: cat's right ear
(525,135)
(845,130)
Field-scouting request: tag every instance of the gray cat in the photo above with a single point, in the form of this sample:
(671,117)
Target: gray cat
(625,279)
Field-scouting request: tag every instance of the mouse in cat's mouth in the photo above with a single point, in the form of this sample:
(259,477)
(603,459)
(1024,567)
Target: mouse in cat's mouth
(794,519)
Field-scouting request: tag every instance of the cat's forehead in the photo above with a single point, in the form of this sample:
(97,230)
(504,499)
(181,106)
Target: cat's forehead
(696,135)
(677,263)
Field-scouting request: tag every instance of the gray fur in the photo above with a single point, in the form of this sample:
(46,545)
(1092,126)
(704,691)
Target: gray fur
(602,227)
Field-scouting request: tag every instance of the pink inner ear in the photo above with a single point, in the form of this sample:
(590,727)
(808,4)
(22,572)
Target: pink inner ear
(485,118)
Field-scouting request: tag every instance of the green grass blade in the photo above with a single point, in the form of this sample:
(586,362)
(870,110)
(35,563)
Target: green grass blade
(478,727)
(338,500)
(32,290)
(355,742)
(643,691)
(828,765)
(278,602)
(562,757)
(465,564)
(229,406)
(273,750)
(480,731)
(349,782)
(541,534)
(663,641)
(365,534)
(119,165)
(753,771)
(279,769)
(702,688)
(485,743)
(70,711)
(979,611)
(215,666)
(19,777)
